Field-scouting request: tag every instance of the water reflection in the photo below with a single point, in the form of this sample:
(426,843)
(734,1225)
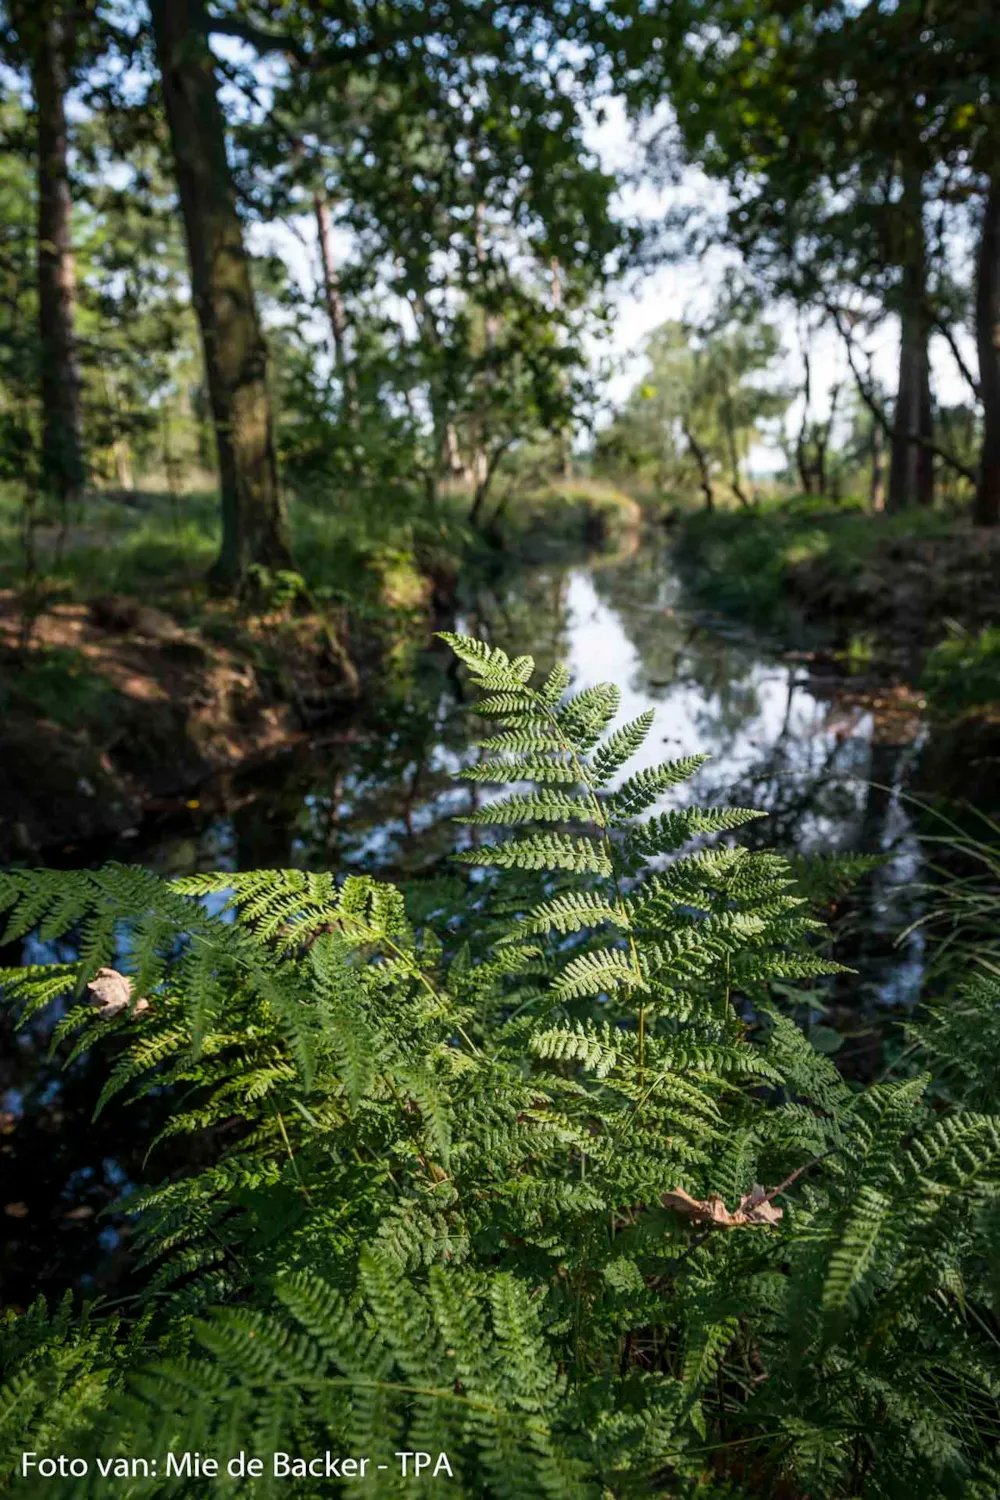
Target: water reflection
(380,795)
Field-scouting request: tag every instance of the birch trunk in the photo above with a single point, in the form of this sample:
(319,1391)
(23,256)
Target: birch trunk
(335,304)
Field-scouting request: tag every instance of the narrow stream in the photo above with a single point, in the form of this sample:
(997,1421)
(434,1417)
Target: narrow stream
(380,795)
(832,774)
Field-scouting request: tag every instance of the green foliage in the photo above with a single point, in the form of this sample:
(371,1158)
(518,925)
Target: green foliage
(702,402)
(516,1198)
(962,672)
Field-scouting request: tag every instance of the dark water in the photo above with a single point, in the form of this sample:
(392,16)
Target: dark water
(379,794)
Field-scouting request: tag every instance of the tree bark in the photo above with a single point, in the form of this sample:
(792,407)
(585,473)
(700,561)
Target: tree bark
(987,507)
(63,468)
(564,446)
(726,413)
(335,304)
(911,463)
(253,522)
(801,448)
(876,497)
(704,474)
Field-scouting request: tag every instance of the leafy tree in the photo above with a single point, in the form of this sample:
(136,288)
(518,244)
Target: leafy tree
(843,135)
(701,404)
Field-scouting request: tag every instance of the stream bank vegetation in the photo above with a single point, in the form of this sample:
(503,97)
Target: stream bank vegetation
(549,1181)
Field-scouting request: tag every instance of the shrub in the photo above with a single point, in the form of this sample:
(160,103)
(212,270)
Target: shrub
(558,1191)
(962,672)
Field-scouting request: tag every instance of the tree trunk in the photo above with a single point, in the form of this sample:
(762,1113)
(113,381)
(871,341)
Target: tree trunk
(63,469)
(453,452)
(822,440)
(734,457)
(911,464)
(801,446)
(987,508)
(876,498)
(564,446)
(253,521)
(335,304)
(703,469)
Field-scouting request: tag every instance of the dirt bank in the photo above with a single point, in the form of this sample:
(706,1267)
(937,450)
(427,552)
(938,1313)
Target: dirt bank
(110,708)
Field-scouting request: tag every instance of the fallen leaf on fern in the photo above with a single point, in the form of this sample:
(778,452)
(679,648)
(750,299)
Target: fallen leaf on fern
(754,1208)
(111,993)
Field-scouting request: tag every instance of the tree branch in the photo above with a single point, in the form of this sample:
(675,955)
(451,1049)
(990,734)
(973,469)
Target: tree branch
(262,41)
(945,331)
(873,406)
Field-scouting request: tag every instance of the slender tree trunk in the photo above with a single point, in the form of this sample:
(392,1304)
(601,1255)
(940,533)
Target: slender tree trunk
(453,452)
(63,469)
(801,447)
(911,464)
(822,441)
(253,521)
(565,447)
(703,469)
(987,509)
(335,304)
(734,457)
(876,497)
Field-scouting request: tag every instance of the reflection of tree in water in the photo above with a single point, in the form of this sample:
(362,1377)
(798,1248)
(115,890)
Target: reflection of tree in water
(677,652)
(381,795)
(828,776)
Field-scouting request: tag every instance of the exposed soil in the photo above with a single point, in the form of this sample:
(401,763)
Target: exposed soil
(111,708)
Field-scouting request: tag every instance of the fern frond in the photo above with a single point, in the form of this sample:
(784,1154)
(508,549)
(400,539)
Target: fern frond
(541,807)
(542,851)
(619,747)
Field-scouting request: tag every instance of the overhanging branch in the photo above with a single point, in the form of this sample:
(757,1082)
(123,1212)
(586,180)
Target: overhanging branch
(262,41)
(946,333)
(868,397)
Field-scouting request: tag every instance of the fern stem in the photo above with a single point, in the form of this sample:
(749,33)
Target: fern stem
(291,1157)
(605,827)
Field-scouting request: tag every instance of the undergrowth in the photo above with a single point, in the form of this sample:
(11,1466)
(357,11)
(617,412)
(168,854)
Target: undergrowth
(568,1198)
(809,556)
(962,672)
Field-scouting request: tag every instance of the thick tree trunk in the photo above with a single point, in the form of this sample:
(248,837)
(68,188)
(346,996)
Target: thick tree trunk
(253,521)
(63,470)
(911,464)
(335,303)
(987,509)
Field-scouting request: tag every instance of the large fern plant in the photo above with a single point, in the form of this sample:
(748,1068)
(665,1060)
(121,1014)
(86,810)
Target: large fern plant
(559,1190)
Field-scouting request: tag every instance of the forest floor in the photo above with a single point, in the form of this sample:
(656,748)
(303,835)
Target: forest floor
(124,685)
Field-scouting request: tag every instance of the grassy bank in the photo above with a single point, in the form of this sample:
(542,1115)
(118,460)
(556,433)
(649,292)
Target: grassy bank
(125,682)
(915,595)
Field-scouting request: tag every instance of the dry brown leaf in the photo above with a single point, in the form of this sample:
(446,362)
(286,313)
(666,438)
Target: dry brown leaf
(111,993)
(16,1210)
(754,1208)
